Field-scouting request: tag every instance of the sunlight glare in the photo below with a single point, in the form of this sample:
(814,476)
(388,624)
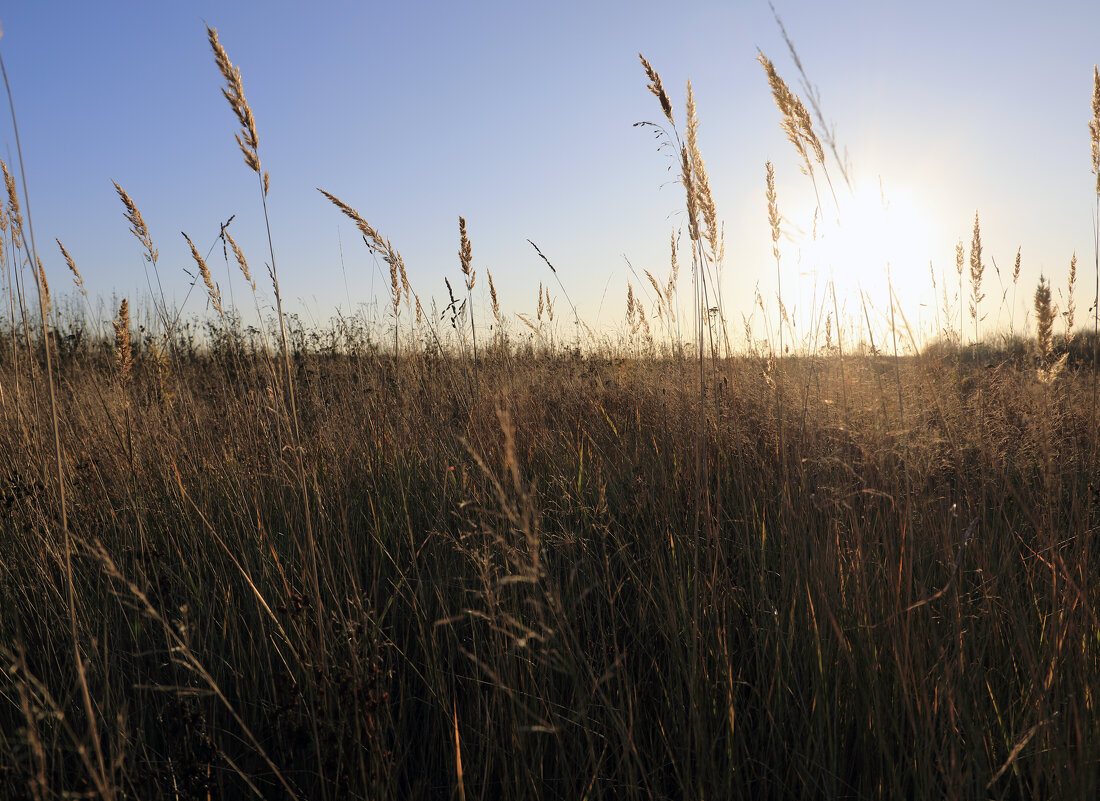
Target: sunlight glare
(880,239)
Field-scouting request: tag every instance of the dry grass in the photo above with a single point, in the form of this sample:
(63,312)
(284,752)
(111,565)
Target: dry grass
(544,591)
(541,571)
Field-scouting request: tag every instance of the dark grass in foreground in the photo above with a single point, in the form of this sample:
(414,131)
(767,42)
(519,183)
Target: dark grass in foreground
(531,597)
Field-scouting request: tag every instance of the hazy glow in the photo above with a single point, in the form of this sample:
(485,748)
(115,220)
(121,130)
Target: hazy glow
(879,240)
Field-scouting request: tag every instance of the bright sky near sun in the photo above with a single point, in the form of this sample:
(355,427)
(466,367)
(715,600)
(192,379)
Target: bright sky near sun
(519,117)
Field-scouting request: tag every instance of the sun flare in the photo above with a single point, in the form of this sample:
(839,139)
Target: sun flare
(878,242)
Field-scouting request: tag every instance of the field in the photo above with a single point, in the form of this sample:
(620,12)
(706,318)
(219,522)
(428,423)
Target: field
(409,560)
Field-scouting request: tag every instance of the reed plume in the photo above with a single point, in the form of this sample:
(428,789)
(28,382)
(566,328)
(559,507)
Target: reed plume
(674,271)
(493,294)
(238,254)
(44,286)
(1044,318)
(657,88)
(465,257)
(493,298)
(211,288)
(452,307)
(77,279)
(656,288)
(248,140)
(773,223)
(796,122)
(137,224)
(977,268)
(527,322)
(1094,127)
(124,357)
(374,241)
(395,287)
(687,179)
(704,199)
(1071,305)
(643,323)
(1015,282)
(465,254)
(13,207)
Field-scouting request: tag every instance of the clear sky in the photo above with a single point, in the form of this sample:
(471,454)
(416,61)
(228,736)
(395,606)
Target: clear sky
(519,117)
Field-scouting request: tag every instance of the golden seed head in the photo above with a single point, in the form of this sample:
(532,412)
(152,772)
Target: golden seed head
(238,254)
(1094,126)
(1071,305)
(13,206)
(977,268)
(405,288)
(374,241)
(796,119)
(674,273)
(247,139)
(773,208)
(657,88)
(523,318)
(72,268)
(465,254)
(215,294)
(687,178)
(656,287)
(43,286)
(493,295)
(1044,317)
(123,354)
(395,286)
(704,199)
(137,224)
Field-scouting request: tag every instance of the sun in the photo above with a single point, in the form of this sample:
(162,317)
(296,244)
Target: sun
(875,243)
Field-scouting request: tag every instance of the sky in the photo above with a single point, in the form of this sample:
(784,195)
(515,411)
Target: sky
(520,117)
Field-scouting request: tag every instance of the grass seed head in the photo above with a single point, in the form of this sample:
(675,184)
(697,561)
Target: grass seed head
(465,254)
(1044,318)
(137,224)
(704,198)
(773,209)
(13,206)
(248,140)
(77,279)
(238,254)
(215,293)
(1094,126)
(1071,305)
(124,358)
(493,296)
(657,88)
(43,286)
(977,268)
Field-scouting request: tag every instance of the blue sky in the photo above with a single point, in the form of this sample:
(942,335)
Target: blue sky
(519,117)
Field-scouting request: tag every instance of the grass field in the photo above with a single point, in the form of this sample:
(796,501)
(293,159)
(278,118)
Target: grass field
(401,561)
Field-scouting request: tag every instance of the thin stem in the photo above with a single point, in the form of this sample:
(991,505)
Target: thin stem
(99,778)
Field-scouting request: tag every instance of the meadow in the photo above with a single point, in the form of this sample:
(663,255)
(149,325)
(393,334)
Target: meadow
(430,558)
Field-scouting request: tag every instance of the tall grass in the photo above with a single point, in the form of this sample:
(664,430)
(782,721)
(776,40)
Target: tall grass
(529,571)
